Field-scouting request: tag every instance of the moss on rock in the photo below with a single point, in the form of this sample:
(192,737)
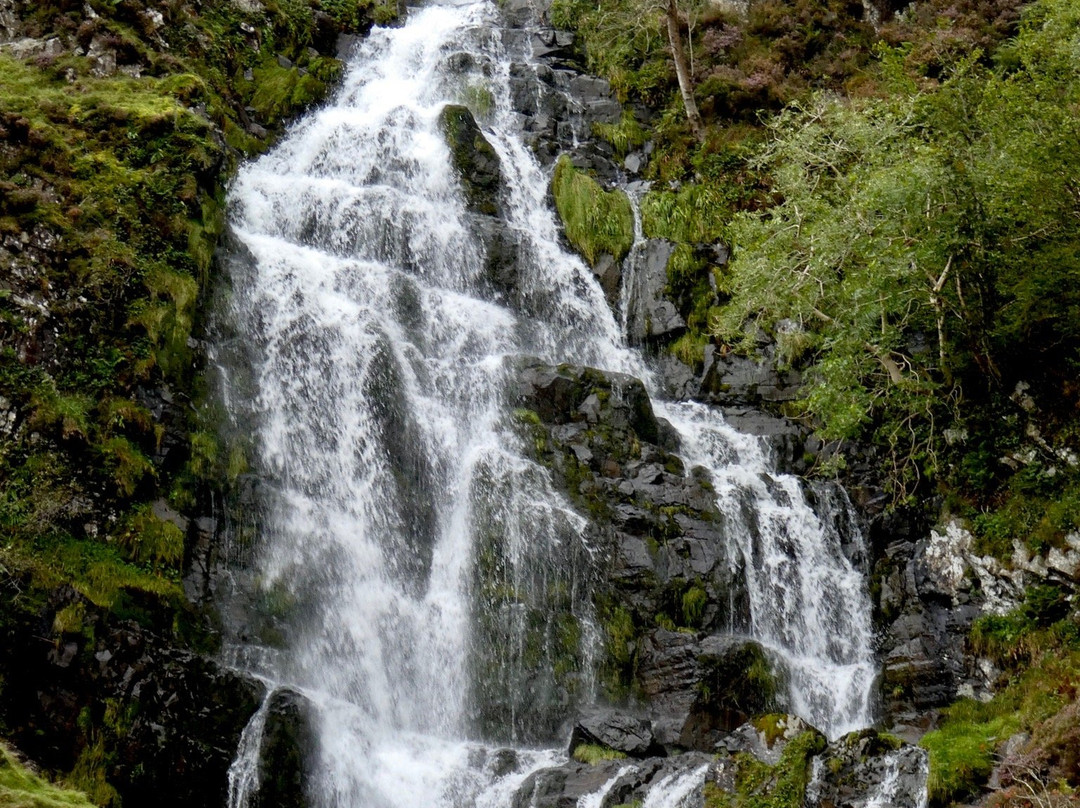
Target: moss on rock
(596,221)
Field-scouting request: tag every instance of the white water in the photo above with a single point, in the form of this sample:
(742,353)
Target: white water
(809,605)
(423,561)
(596,799)
(902,784)
(676,790)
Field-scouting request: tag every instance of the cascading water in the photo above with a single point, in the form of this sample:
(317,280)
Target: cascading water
(419,560)
(809,605)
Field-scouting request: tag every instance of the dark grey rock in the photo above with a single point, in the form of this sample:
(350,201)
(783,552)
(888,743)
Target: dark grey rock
(615,730)
(287,741)
(475,160)
(650,314)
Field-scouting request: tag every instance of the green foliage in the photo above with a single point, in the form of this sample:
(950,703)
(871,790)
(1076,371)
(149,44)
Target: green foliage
(147,539)
(595,753)
(21,788)
(624,136)
(962,750)
(596,221)
(895,217)
(1042,664)
(694,602)
(694,214)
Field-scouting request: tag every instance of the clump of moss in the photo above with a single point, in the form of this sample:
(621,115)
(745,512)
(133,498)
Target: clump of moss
(592,753)
(21,788)
(624,136)
(596,221)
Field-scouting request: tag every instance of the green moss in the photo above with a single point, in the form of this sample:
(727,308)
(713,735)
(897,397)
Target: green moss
(148,539)
(595,753)
(962,751)
(89,774)
(596,221)
(624,136)
(694,601)
(281,89)
(21,788)
(759,785)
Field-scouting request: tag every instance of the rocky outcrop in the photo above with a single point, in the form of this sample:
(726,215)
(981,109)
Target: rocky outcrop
(668,591)
(615,730)
(474,159)
(123,700)
(650,316)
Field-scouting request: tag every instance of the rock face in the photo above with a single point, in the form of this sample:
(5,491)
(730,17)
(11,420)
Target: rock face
(166,721)
(650,315)
(668,590)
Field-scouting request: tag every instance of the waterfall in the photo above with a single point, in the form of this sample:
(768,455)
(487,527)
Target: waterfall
(809,604)
(430,586)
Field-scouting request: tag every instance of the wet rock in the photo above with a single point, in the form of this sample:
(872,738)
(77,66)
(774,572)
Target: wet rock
(608,273)
(557,393)
(615,730)
(867,768)
(650,315)
(563,786)
(288,738)
(734,380)
(699,689)
(475,160)
(502,245)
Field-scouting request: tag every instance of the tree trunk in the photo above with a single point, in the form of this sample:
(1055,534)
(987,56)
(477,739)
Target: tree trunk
(682,70)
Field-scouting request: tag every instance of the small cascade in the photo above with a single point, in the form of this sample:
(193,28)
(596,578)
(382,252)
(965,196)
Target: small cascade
(596,799)
(244,771)
(679,789)
(903,785)
(809,604)
(894,780)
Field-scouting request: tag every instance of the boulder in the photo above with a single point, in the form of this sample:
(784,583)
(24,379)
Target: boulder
(615,730)
(287,740)
(474,159)
(698,689)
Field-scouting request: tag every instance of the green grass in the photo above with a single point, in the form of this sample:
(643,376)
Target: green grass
(21,788)
(596,221)
(595,753)
(1042,664)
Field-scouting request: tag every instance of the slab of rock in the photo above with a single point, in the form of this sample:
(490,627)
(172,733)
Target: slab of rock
(615,730)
